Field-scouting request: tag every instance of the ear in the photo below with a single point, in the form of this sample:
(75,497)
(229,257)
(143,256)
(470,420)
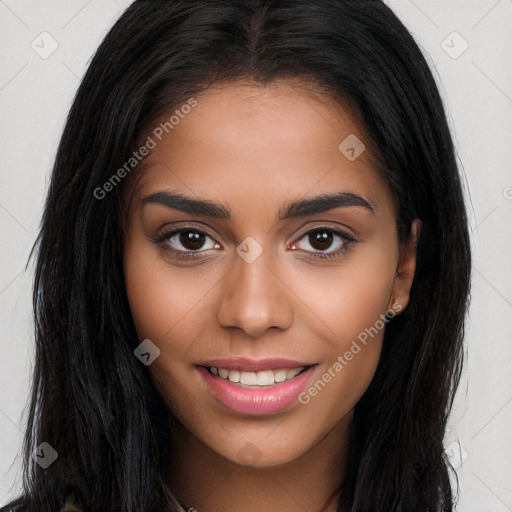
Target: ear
(405,270)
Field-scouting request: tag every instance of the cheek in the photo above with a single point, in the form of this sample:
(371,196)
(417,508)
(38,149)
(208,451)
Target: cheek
(351,303)
(350,297)
(165,304)
(162,299)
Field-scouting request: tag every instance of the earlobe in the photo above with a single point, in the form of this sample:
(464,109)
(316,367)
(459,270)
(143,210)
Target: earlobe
(405,271)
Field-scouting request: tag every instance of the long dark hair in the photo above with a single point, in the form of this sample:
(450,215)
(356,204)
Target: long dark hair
(91,399)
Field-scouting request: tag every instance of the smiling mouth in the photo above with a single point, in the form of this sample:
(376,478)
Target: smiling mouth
(259,379)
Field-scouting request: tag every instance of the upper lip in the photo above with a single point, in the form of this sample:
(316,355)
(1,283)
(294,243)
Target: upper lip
(243,363)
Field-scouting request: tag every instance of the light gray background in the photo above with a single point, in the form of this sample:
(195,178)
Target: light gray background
(36,93)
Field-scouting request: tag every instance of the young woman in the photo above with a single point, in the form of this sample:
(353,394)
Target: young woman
(253,269)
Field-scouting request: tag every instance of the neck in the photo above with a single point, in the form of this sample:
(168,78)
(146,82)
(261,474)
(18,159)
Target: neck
(204,480)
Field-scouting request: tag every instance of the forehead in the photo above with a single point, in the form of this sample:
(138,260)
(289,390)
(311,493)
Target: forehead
(245,141)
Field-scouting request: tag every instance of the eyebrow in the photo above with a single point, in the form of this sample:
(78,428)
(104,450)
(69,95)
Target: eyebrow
(299,208)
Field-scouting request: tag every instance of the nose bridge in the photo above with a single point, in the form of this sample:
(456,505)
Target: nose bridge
(254,299)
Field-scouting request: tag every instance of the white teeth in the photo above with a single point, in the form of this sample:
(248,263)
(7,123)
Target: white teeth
(291,373)
(234,375)
(280,375)
(248,378)
(261,378)
(265,378)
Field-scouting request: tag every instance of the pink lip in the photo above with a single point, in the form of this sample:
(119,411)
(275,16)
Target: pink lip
(255,401)
(253,365)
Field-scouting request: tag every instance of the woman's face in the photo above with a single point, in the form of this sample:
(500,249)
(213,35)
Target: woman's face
(269,273)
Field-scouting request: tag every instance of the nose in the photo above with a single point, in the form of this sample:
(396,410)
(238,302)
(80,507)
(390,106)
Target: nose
(254,297)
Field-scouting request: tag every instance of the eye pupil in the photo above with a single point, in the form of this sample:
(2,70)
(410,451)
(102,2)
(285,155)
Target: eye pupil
(192,240)
(323,238)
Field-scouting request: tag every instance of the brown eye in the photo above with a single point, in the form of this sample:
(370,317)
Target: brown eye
(320,240)
(192,240)
(186,241)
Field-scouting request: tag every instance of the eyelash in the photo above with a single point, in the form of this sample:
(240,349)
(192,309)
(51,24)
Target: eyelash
(348,240)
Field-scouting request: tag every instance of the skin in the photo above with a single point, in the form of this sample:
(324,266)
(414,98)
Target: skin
(254,149)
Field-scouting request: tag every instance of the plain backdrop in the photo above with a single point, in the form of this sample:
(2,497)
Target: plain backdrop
(45,49)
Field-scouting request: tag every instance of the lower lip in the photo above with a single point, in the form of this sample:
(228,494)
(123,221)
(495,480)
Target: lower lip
(255,401)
